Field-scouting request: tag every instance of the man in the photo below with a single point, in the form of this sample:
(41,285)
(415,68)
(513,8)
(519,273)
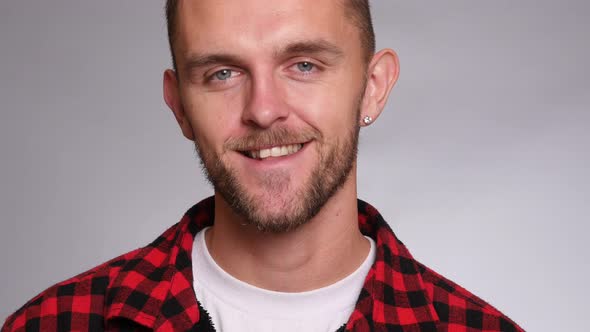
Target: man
(273,93)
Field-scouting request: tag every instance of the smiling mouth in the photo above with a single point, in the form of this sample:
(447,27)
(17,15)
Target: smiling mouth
(275,151)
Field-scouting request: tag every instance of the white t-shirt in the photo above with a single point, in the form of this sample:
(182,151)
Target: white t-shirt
(234,305)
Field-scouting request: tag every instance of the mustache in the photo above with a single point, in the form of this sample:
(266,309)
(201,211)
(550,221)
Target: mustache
(271,137)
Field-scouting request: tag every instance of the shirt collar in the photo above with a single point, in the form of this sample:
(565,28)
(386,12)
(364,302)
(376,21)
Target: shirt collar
(154,285)
(394,295)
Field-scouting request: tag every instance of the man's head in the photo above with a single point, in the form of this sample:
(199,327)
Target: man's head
(272,94)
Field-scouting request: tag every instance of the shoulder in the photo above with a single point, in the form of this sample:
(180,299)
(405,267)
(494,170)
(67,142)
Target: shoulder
(457,307)
(127,286)
(80,298)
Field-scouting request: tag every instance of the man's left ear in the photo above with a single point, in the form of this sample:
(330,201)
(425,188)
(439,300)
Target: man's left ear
(382,74)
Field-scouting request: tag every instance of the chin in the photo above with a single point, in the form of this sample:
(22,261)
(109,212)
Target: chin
(276,213)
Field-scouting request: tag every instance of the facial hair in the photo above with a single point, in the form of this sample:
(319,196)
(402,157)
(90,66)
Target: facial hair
(326,178)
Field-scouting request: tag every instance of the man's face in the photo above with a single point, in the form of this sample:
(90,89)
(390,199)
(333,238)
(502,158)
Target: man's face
(271,90)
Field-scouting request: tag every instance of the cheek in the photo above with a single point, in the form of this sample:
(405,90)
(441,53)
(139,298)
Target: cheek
(214,117)
(327,105)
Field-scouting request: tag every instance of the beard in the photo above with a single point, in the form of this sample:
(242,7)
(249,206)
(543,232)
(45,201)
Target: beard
(271,211)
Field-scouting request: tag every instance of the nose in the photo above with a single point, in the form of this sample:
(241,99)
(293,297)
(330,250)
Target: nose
(264,105)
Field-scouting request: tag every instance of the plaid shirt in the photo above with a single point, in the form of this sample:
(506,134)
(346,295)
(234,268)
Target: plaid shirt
(151,289)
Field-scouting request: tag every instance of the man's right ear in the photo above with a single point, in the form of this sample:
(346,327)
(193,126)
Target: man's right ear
(172,98)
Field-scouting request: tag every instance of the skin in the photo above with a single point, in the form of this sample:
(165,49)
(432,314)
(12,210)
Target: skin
(266,90)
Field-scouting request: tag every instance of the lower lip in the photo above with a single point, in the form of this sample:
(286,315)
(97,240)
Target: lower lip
(276,161)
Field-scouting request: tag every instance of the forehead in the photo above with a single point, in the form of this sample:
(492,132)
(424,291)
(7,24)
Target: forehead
(205,25)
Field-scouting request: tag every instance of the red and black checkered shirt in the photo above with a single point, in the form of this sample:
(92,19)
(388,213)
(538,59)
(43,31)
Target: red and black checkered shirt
(151,288)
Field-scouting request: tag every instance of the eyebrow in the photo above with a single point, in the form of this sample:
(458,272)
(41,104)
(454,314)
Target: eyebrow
(314,47)
(197,61)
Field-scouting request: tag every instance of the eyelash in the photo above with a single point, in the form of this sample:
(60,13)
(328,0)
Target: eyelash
(314,67)
(212,78)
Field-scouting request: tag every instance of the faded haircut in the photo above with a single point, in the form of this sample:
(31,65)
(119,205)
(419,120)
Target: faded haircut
(358,11)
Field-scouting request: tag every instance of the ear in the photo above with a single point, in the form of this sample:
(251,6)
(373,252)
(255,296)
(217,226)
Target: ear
(382,74)
(174,102)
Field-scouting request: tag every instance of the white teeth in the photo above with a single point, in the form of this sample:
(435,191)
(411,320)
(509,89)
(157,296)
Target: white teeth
(264,153)
(275,151)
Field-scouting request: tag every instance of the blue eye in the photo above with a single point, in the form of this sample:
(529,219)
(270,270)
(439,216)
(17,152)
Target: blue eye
(305,66)
(223,74)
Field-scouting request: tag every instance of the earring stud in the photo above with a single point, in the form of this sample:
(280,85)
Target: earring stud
(367,120)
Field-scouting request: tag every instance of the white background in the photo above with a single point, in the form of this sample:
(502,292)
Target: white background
(480,161)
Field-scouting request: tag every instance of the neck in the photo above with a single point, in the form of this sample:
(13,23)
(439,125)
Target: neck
(319,253)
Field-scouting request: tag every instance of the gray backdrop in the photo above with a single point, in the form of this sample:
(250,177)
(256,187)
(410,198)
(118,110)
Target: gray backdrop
(480,161)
